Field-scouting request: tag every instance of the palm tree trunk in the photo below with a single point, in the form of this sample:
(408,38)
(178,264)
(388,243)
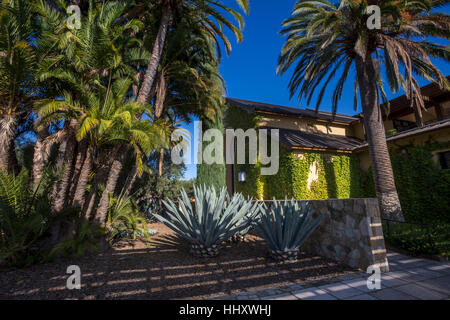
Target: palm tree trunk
(155,59)
(118,155)
(131,180)
(40,155)
(8,126)
(418,115)
(161,93)
(376,138)
(80,192)
(79,160)
(65,162)
(161,162)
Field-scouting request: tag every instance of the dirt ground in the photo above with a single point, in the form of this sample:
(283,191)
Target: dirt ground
(164,269)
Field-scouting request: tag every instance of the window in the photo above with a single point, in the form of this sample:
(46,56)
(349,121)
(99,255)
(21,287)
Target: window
(444,160)
(402,125)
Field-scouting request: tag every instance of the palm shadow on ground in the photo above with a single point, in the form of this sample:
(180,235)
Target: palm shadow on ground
(165,270)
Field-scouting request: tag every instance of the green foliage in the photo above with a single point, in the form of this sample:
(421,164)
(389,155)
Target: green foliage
(211,174)
(419,240)
(210,220)
(339,175)
(287,224)
(125,220)
(325,38)
(25,216)
(84,240)
(423,188)
(236,118)
(151,189)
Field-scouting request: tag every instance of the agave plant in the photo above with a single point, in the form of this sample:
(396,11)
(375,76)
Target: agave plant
(212,219)
(285,227)
(249,220)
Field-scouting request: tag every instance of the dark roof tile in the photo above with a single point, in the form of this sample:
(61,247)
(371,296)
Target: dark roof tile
(317,140)
(253,106)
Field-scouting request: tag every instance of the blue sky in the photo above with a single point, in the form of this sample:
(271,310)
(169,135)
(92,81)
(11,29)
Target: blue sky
(250,71)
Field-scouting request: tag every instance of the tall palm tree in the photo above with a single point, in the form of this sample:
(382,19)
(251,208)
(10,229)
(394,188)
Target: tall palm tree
(17,63)
(79,64)
(326,38)
(188,81)
(208,14)
(112,120)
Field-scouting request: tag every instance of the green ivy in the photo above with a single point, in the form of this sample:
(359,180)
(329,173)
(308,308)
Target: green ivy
(423,188)
(339,177)
(211,174)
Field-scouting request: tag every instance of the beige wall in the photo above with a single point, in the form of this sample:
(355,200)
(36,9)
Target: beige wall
(303,125)
(438,136)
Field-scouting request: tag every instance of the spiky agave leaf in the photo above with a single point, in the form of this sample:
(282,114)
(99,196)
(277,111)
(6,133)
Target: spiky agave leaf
(287,225)
(212,219)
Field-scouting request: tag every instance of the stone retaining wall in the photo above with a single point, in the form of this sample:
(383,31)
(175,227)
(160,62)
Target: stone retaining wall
(350,233)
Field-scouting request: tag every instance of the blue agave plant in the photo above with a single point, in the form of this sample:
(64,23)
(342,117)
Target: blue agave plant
(285,226)
(209,220)
(249,220)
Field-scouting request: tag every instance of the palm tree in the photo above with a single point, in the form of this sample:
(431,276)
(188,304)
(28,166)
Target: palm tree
(113,120)
(80,64)
(17,63)
(188,81)
(326,38)
(205,12)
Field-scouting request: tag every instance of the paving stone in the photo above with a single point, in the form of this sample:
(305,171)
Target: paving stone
(281,297)
(423,274)
(341,290)
(409,260)
(390,282)
(363,296)
(399,274)
(421,292)
(313,294)
(391,294)
(350,276)
(441,285)
(359,284)
(296,287)
(441,268)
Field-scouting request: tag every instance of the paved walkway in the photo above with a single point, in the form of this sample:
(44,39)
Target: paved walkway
(409,279)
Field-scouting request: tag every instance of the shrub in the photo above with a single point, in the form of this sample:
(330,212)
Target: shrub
(84,240)
(433,239)
(209,221)
(285,226)
(125,220)
(25,217)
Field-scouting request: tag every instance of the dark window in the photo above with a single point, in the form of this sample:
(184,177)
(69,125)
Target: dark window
(402,125)
(444,160)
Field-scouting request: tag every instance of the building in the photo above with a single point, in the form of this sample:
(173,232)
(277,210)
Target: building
(325,156)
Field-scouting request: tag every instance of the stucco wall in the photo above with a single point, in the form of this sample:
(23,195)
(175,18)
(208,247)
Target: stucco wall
(296,123)
(442,135)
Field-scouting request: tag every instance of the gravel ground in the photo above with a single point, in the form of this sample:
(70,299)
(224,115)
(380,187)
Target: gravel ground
(164,269)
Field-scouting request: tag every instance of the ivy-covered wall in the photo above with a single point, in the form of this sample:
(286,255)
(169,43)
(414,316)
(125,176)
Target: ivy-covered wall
(423,188)
(339,175)
(211,174)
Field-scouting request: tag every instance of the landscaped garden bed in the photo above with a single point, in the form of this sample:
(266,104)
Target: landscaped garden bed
(428,240)
(164,269)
